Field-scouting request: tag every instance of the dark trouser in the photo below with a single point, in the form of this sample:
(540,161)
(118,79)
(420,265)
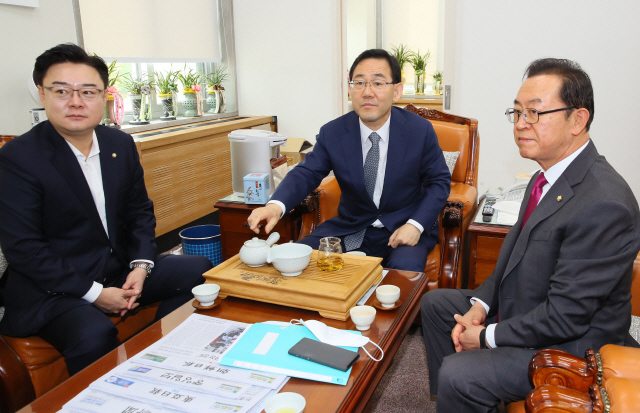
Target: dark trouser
(83,334)
(403,257)
(469,381)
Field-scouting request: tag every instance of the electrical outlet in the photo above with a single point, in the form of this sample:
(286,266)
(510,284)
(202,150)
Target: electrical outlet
(447,97)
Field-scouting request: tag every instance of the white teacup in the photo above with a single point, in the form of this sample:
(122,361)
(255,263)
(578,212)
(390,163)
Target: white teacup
(287,402)
(363,316)
(388,295)
(206,294)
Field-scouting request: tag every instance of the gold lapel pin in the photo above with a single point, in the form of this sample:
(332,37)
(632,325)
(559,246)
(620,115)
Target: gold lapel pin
(114,155)
(559,198)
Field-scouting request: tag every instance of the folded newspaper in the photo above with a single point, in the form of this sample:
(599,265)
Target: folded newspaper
(181,372)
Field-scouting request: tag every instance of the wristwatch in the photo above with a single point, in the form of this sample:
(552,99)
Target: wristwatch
(142,265)
(483,338)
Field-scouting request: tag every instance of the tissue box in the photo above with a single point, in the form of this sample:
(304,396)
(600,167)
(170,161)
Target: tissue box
(256,188)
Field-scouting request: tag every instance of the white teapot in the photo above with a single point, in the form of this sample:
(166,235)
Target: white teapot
(254,252)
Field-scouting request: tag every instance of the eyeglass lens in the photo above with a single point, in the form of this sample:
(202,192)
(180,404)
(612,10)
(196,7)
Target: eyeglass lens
(530,115)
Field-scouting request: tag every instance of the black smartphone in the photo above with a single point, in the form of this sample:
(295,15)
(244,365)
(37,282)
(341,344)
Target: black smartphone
(325,354)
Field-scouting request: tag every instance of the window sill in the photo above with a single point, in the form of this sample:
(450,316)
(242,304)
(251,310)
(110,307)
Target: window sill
(180,120)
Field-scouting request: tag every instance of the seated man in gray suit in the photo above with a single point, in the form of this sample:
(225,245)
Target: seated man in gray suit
(563,275)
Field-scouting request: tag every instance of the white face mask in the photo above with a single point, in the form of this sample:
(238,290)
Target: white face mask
(337,337)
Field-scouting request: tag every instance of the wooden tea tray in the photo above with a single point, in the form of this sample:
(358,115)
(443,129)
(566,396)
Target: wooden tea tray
(332,294)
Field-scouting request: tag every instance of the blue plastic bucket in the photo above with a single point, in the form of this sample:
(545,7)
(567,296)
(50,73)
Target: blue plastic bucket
(202,240)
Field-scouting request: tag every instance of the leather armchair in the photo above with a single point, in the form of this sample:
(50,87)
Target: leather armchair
(29,367)
(608,381)
(443,267)
(566,383)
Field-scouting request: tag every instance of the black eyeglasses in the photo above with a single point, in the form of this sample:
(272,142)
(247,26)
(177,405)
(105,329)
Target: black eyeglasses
(529,115)
(65,92)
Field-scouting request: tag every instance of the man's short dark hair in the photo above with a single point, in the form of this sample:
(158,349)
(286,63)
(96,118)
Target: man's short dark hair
(396,72)
(576,89)
(68,53)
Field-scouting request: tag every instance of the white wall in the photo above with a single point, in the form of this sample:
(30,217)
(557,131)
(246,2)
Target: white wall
(26,32)
(289,60)
(497,40)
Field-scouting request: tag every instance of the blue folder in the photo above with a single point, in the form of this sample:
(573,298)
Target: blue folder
(265,347)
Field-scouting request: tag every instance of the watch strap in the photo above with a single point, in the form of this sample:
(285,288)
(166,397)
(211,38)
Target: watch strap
(483,339)
(142,265)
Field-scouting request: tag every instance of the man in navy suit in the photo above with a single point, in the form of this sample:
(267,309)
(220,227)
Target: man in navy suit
(77,226)
(390,168)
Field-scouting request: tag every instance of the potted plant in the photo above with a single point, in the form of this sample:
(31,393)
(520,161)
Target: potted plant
(139,92)
(114,109)
(215,90)
(167,88)
(419,63)
(402,55)
(191,88)
(437,82)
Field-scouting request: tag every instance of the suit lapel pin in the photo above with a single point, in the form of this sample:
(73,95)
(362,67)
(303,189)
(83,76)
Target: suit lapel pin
(559,198)
(114,155)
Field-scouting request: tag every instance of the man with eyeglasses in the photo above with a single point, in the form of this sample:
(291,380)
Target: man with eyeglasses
(392,174)
(563,276)
(77,227)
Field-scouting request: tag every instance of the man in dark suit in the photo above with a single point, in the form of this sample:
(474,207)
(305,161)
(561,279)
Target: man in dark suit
(77,226)
(563,276)
(390,168)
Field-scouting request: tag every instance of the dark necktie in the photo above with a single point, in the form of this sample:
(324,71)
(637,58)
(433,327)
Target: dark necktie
(536,193)
(353,241)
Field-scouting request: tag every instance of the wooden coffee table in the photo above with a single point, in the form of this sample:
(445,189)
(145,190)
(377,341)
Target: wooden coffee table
(388,330)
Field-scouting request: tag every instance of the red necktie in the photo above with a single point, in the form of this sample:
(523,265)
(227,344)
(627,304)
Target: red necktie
(536,193)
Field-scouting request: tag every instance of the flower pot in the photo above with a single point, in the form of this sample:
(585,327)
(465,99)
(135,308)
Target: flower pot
(108,116)
(437,87)
(419,82)
(190,103)
(141,109)
(212,100)
(169,106)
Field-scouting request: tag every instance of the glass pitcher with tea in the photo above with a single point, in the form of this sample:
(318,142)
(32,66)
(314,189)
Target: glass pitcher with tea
(330,254)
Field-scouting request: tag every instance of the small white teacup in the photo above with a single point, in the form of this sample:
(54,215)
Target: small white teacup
(388,295)
(363,316)
(287,402)
(206,294)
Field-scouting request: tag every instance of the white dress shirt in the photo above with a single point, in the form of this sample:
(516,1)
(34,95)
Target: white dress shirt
(551,175)
(383,145)
(92,171)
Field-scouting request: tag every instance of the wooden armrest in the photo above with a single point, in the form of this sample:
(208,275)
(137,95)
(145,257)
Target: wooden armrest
(16,389)
(559,368)
(550,398)
(620,361)
(464,194)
